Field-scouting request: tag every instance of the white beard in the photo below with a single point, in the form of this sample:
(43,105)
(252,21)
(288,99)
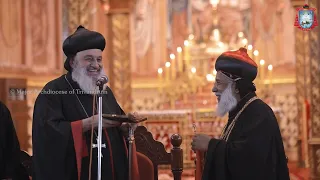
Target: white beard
(86,83)
(227,102)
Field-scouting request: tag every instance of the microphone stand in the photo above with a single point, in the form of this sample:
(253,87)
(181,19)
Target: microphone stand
(99,140)
(131,140)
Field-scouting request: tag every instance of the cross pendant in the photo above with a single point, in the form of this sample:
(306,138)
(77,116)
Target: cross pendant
(96,146)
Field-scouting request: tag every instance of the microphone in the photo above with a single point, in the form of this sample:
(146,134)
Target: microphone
(103,80)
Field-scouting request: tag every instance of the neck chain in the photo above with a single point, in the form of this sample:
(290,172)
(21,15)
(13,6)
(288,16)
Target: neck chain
(80,102)
(226,133)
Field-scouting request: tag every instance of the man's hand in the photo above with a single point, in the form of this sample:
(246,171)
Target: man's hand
(94,121)
(200,142)
(134,117)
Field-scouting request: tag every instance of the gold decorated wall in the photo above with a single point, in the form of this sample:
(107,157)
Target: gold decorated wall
(29,41)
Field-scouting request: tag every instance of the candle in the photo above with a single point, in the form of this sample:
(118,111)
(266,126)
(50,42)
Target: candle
(250,50)
(270,76)
(160,71)
(255,56)
(167,72)
(186,54)
(240,34)
(173,66)
(179,59)
(262,71)
(244,41)
(193,72)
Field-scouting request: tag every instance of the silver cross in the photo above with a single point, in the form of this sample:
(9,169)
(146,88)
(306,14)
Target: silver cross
(96,146)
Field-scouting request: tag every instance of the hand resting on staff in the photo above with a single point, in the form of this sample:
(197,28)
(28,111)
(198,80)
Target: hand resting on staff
(94,121)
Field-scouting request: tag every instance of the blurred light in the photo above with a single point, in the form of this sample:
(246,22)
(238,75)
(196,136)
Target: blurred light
(240,34)
(262,62)
(244,41)
(210,77)
(160,70)
(250,47)
(172,56)
(256,52)
(179,49)
(193,70)
(186,43)
(214,72)
(270,67)
(168,64)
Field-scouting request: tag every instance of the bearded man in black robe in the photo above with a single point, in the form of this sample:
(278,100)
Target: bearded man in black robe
(64,115)
(250,146)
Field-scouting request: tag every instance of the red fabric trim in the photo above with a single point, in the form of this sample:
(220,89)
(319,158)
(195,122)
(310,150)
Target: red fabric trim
(240,55)
(84,148)
(135,166)
(110,149)
(76,128)
(199,165)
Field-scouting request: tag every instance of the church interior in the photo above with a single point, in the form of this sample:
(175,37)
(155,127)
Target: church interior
(160,57)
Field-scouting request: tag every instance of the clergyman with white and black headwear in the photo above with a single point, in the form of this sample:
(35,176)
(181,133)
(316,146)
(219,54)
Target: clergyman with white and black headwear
(250,146)
(63,121)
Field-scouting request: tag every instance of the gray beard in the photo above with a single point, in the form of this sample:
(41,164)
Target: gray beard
(86,83)
(227,102)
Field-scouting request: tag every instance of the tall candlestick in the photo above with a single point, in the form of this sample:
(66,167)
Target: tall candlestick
(186,54)
(160,79)
(179,59)
(173,66)
(270,76)
(167,72)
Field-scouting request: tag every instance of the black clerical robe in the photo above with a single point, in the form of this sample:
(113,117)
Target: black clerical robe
(254,150)
(60,148)
(10,165)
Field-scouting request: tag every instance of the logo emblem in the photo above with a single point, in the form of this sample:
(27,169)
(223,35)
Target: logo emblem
(306,18)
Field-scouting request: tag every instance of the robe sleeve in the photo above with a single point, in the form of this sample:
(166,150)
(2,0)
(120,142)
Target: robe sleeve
(256,154)
(53,145)
(10,147)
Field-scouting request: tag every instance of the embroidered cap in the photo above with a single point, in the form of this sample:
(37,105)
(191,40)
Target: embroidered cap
(237,65)
(82,39)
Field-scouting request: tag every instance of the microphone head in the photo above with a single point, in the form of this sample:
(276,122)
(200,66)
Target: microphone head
(103,80)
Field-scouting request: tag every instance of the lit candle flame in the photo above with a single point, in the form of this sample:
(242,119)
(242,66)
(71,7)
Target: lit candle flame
(179,49)
(270,67)
(172,56)
(160,70)
(244,41)
(262,62)
(250,47)
(214,72)
(256,52)
(186,43)
(210,77)
(193,70)
(240,34)
(168,64)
